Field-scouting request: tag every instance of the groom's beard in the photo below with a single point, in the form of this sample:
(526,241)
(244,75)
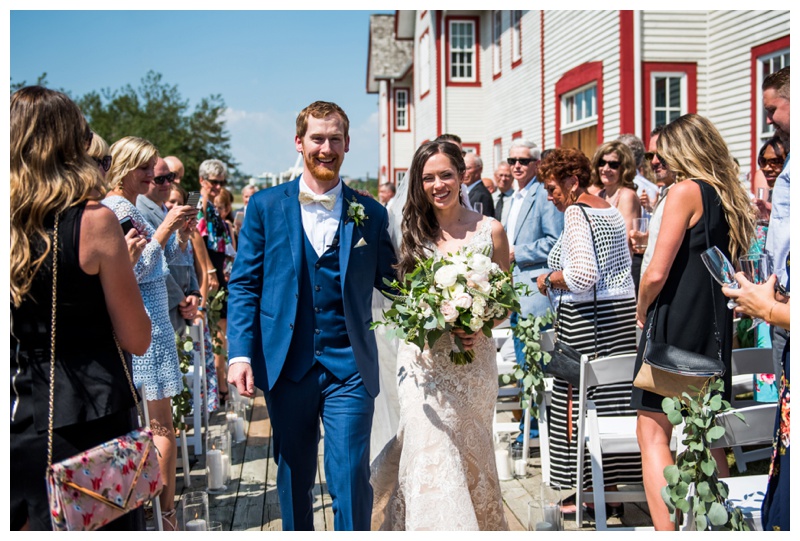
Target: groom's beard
(322,173)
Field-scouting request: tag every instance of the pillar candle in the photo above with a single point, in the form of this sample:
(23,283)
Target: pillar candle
(216,472)
(503,470)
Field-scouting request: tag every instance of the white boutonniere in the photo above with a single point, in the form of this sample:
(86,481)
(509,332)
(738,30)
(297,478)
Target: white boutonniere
(356,212)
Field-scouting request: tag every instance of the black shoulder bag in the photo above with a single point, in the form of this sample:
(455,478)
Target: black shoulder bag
(565,361)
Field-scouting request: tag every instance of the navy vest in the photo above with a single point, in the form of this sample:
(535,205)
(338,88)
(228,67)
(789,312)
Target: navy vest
(320,330)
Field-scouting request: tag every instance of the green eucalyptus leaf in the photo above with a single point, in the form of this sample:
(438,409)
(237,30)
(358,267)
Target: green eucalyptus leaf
(675,417)
(704,491)
(672,474)
(717,514)
(708,467)
(700,523)
(715,433)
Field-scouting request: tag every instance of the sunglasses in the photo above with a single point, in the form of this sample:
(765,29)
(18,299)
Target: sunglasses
(649,157)
(522,161)
(104,162)
(168,178)
(612,164)
(215,182)
(774,162)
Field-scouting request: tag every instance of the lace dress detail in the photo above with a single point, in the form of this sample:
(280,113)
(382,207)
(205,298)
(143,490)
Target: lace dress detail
(439,472)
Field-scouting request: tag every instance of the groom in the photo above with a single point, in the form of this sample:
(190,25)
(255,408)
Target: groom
(299,311)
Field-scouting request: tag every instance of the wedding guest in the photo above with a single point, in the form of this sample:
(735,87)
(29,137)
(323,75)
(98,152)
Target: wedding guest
(592,288)
(707,199)
(614,167)
(213,178)
(175,166)
(98,151)
(54,185)
(771,158)
(131,174)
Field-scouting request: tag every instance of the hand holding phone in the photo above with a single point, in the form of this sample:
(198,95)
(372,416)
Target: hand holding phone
(193,200)
(127,224)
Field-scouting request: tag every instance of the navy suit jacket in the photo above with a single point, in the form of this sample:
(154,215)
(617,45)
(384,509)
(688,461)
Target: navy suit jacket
(265,281)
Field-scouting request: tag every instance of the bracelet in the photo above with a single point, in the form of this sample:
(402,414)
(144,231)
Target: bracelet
(201,309)
(768,319)
(212,271)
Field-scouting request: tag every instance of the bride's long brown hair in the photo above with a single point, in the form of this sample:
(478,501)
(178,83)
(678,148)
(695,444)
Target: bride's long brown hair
(420,227)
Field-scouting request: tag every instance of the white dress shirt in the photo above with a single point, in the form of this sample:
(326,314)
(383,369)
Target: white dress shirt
(513,214)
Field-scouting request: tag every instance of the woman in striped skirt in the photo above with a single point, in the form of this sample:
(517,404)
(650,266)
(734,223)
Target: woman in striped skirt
(591,257)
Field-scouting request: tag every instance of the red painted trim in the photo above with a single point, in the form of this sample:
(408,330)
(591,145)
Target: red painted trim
(627,88)
(439,112)
(497,141)
(575,78)
(516,135)
(476,146)
(648,68)
(422,95)
(755,91)
(477,55)
(421,15)
(541,69)
(499,44)
(389,96)
(408,109)
(518,61)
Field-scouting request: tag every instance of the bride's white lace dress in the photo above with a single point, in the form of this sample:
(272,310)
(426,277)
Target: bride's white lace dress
(439,472)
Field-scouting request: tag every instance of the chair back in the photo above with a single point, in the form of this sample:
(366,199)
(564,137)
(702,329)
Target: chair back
(757,428)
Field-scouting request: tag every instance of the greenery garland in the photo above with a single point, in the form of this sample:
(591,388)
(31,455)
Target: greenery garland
(182,402)
(213,309)
(696,464)
(531,372)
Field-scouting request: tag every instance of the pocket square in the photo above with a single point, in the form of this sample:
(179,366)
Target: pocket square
(361,243)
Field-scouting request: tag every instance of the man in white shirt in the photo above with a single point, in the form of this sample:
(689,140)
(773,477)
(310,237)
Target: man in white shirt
(663,178)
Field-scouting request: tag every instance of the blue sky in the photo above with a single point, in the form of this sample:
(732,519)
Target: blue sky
(267,65)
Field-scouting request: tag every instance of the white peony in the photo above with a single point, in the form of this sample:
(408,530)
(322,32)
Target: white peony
(449,311)
(446,276)
(480,263)
(463,300)
(475,324)
(427,311)
(479,307)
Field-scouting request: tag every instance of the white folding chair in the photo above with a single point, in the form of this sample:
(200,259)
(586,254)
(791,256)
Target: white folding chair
(746,362)
(744,492)
(146,422)
(609,435)
(196,377)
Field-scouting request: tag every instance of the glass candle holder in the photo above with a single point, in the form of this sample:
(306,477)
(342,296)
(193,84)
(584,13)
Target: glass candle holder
(195,511)
(217,463)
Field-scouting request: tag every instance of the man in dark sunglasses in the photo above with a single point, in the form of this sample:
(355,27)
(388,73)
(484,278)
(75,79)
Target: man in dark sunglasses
(533,227)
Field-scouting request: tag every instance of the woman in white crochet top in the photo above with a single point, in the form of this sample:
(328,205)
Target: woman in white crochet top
(591,257)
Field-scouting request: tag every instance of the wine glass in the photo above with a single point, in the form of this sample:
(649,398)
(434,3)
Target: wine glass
(478,207)
(721,270)
(756,268)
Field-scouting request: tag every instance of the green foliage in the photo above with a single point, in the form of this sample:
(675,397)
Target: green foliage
(156,111)
(213,309)
(696,464)
(183,402)
(40,81)
(745,335)
(531,372)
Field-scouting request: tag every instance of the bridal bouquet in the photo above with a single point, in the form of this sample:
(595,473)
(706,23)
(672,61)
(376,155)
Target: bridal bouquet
(465,290)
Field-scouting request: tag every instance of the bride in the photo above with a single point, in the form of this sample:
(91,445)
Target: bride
(439,472)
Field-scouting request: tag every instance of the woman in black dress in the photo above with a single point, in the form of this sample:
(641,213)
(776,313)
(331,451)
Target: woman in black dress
(676,284)
(52,175)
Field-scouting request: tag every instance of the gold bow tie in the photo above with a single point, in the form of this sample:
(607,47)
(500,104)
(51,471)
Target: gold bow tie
(326,201)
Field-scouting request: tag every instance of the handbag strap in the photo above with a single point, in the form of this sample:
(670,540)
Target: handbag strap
(53,353)
(707,228)
(594,287)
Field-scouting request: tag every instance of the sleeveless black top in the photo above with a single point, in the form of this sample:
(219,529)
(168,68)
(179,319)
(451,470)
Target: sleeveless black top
(90,381)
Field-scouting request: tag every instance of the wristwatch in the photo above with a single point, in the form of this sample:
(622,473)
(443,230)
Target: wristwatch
(547,283)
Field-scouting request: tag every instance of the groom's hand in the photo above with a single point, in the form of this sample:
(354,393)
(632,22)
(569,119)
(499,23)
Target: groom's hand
(241,375)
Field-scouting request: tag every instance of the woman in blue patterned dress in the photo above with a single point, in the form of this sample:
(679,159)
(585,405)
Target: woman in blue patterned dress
(158,370)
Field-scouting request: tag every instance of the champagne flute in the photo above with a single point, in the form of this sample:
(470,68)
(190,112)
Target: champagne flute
(721,270)
(757,269)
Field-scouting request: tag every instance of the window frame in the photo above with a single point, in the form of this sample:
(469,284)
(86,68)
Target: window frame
(475,80)
(568,127)
(398,174)
(515,17)
(648,90)
(684,100)
(497,152)
(497,43)
(580,76)
(424,54)
(396,108)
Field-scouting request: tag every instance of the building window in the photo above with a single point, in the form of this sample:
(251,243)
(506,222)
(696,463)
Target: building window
(462,53)
(424,64)
(516,37)
(497,31)
(401,109)
(398,175)
(471,148)
(768,64)
(579,108)
(668,97)
(497,152)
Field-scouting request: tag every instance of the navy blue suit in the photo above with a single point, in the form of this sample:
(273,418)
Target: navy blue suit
(303,320)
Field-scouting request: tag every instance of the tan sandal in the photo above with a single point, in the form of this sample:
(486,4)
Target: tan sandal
(169,520)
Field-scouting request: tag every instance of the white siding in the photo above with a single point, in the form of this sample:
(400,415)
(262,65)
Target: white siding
(424,124)
(403,142)
(384,123)
(574,38)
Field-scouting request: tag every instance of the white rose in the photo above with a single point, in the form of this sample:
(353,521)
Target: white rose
(446,276)
(426,309)
(449,311)
(463,300)
(456,290)
(480,263)
(479,306)
(475,324)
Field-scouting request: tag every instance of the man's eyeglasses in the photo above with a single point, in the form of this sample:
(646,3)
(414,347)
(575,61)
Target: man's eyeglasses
(168,178)
(613,164)
(215,182)
(104,162)
(776,163)
(522,161)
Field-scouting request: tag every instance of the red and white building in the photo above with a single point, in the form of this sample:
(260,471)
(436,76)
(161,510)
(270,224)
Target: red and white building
(568,78)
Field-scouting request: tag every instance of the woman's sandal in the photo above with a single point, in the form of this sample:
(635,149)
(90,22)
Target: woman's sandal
(169,520)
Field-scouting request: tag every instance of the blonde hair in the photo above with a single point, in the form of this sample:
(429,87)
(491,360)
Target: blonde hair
(99,148)
(126,155)
(693,148)
(50,172)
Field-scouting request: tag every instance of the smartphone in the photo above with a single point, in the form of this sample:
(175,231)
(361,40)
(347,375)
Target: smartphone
(193,200)
(127,224)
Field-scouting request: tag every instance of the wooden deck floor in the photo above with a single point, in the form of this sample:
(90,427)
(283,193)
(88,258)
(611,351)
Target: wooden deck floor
(251,501)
